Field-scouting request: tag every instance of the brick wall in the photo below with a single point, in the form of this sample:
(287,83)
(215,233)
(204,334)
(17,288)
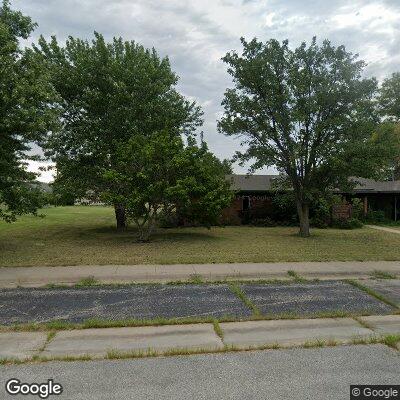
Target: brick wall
(341,211)
(260,207)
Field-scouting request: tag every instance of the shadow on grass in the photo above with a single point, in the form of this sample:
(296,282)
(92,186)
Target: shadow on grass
(128,235)
(166,235)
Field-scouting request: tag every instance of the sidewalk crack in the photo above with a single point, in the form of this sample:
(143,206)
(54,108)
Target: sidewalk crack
(50,337)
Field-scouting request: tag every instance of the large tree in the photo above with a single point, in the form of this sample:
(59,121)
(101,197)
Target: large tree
(306,111)
(111,93)
(389,107)
(27,112)
(158,175)
(389,98)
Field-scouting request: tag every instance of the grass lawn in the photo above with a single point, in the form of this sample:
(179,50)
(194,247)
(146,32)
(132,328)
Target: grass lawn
(86,235)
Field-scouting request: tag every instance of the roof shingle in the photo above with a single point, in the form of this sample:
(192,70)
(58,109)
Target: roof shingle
(262,183)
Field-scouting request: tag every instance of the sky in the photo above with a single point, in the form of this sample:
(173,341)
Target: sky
(195,34)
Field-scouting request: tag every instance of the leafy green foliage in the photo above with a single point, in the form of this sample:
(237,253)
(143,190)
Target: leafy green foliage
(376,216)
(284,209)
(385,141)
(351,223)
(389,108)
(306,111)
(389,97)
(357,211)
(27,113)
(111,94)
(158,175)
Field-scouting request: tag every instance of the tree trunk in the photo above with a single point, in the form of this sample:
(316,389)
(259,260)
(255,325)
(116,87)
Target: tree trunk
(145,231)
(303,212)
(120,216)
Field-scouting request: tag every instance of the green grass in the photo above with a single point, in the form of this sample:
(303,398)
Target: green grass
(193,280)
(238,292)
(383,275)
(296,277)
(89,281)
(87,236)
(218,330)
(310,344)
(391,340)
(50,337)
(60,325)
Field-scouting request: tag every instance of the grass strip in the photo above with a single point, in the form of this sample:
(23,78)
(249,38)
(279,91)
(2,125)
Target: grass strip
(388,340)
(392,341)
(377,274)
(363,323)
(218,329)
(89,281)
(311,344)
(60,325)
(49,338)
(238,292)
(372,293)
(194,280)
(296,277)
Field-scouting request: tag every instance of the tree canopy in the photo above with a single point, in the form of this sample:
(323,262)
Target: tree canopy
(111,93)
(158,175)
(389,108)
(389,98)
(27,113)
(306,111)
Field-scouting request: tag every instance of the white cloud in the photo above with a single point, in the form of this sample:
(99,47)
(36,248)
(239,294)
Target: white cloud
(44,175)
(196,34)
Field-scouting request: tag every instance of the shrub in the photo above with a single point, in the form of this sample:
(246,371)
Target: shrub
(320,211)
(284,209)
(318,222)
(375,216)
(351,223)
(168,220)
(357,208)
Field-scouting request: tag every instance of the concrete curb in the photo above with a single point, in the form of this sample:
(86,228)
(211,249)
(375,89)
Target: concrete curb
(172,339)
(11,277)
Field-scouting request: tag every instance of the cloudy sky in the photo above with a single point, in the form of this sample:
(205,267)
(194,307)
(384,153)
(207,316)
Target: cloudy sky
(195,34)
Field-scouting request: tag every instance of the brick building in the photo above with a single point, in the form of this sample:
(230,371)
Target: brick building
(254,195)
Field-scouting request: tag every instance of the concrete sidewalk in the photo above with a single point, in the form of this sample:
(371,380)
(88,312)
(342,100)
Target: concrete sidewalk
(11,277)
(97,343)
(384,228)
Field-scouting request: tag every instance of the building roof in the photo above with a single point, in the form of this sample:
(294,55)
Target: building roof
(263,183)
(365,185)
(251,183)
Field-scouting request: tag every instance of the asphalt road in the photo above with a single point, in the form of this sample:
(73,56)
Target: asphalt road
(390,288)
(169,301)
(116,303)
(276,374)
(310,298)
